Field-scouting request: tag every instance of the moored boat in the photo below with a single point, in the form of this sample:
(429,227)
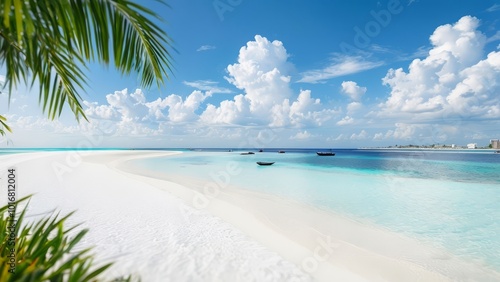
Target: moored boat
(325,153)
(265,163)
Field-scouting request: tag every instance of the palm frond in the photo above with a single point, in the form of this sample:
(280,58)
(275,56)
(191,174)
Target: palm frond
(51,42)
(45,250)
(4,125)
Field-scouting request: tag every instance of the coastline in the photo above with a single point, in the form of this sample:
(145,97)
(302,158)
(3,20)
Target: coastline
(343,249)
(147,232)
(429,149)
(375,254)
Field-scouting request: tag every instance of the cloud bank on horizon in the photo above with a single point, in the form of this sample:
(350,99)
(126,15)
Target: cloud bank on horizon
(449,94)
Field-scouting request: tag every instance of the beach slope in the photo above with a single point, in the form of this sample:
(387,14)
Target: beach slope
(152,227)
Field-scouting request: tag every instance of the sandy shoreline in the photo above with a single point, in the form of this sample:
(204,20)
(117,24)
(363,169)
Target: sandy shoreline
(126,208)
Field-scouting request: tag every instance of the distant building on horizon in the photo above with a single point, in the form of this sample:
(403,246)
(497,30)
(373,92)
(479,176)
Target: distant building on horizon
(472,146)
(495,144)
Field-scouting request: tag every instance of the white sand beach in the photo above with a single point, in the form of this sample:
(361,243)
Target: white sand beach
(163,230)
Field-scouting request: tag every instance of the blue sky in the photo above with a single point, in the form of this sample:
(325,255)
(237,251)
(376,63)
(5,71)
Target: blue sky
(295,74)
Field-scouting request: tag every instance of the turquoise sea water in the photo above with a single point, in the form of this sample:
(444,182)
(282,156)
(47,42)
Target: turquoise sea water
(450,199)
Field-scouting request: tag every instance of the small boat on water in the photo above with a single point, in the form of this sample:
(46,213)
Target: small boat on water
(248,153)
(497,152)
(265,163)
(325,153)
(281,151)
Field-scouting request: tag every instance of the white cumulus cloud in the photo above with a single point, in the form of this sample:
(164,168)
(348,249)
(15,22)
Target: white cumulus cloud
(455,79)
(354,107)
(303,135)
(267,99)
(345,121)
(353,90)
(362,135)
(261,72)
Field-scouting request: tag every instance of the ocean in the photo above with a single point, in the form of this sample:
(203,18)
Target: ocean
(445,198)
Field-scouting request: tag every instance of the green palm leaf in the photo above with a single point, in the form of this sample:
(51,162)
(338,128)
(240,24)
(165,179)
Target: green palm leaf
(52,42)
(45,250)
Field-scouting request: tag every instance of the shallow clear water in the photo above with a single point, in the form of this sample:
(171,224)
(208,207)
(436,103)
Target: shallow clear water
(447,198)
